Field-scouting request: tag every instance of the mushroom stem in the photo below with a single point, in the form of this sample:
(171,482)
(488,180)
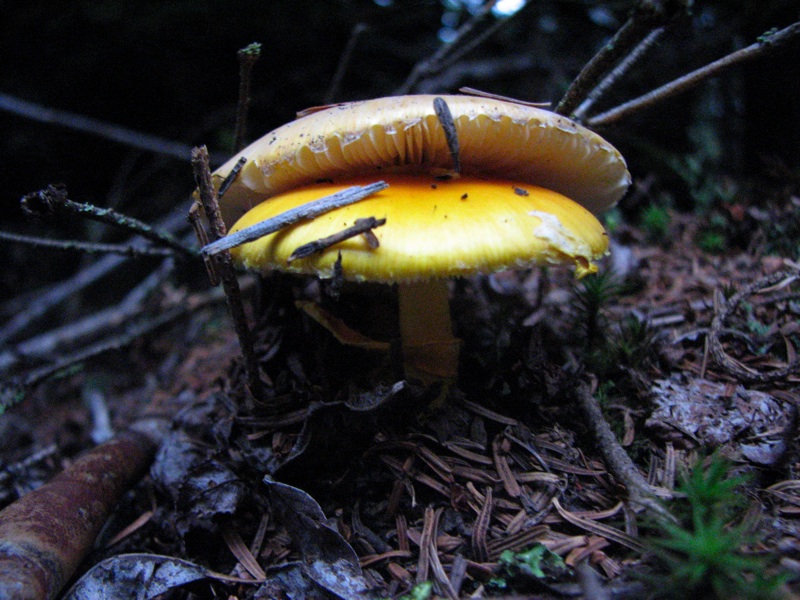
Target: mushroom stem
(430,351)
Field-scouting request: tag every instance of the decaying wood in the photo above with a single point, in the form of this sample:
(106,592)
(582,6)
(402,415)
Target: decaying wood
(45,534)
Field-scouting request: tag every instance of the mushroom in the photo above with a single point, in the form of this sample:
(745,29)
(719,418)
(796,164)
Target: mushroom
(529,183)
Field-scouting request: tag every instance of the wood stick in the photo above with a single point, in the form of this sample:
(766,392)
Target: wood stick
(765,44)
(361,226)
(306,211)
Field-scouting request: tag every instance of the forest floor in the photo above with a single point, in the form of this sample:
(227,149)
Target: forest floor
(503,490)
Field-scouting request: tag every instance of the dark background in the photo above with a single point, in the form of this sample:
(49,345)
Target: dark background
(170,69)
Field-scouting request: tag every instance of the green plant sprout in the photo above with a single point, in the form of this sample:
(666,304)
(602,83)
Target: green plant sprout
(702,556)
(421,591)
(655,221)
(536,562)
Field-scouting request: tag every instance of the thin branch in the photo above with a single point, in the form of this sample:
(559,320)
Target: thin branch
(85,247)
(116,133)
(765,44)
(15,389)
(306,211)
(54,198)
(616,74)
(617,460)
(247,58)
(46,299)
(50,343)
(475,92)
(648,15)
(231,177)
(361,226)
(435,63)
(344,62)
(224,263)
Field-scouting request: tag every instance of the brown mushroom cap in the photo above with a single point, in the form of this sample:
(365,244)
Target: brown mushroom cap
(498,138)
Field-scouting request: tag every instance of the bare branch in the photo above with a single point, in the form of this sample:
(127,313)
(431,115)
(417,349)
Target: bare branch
(765,44)
(723,309)
(54,198)
(361,226)
(247,59)
(648,15)
(46,299)
(344,62)
(617,460)
(86,247)
(208,196)
(306,211)
(621,69)
(116,133)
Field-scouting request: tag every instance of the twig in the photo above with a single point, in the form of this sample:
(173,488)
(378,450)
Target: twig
(648,15)
(247,58)
(723,309)
(434,64)
(16,390)
(123,135)
(361,226)
(450,133)
(54,198)
(86,247)
(344,62)
(474,92)
(765,44)
(50,343)
(621,69)
(231,177)
(306,211)
(617,460)
(208,196)
(47,299)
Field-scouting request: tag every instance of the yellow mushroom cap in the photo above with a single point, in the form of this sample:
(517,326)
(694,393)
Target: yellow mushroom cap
(498,139)
(433,229)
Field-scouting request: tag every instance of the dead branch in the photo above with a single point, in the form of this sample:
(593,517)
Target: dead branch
(16,388)
(648,15)
(306,211)
(85,247)
(53,199)
(224,264)
(82,123)
(618,462)
(248,56)
(361,227)
(50,343)
(46,534)
(47,299)
(616,74)
(767,43)
(344,61)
